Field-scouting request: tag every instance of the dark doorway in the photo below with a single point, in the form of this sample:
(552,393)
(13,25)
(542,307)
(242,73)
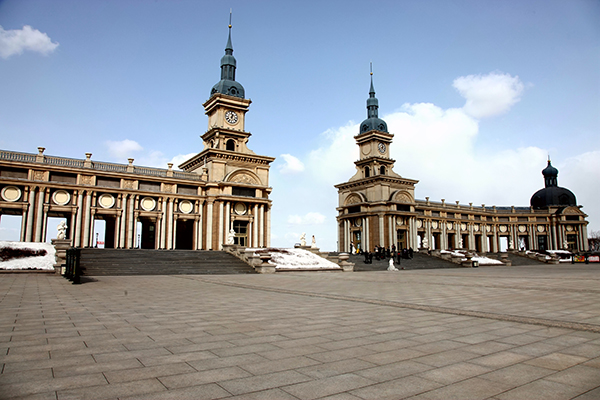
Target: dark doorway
(357,240)
(241,233)
(542,244)
(148,234)
(451,241)
(401,240)
(185,234)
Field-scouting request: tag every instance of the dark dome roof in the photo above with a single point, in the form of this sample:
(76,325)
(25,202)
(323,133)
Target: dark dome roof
(370,124)
(553,196)
(226,86)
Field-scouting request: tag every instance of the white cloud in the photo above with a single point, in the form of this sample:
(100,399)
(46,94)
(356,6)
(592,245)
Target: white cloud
(123,149)
(489,95)
(15,41)
(292,165)
(311,218)
(178,159)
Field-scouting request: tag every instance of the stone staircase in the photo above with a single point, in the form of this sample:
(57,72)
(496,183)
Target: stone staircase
(518,260)
(419,261)
(160,262)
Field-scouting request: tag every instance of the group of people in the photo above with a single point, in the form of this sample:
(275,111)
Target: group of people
(383,253)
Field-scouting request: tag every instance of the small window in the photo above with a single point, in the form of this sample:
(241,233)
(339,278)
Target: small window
(367,172)
(230,145)
(382,170)
(63,177)
(243,191)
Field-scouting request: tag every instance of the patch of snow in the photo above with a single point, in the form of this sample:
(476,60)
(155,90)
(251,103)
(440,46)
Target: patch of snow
(559,251)
(296,259)
(44,262)
(481,260)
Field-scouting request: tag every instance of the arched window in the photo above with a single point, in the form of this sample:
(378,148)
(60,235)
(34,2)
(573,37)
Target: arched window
(367,172)
(230,145)
(382,170)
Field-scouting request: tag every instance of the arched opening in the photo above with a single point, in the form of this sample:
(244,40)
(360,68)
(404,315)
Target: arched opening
(230,145)
(367,172)
(382,170)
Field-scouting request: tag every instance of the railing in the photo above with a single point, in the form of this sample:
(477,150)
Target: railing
(95,165)
(63,162)
(12,156)
(186,175)
(150,171)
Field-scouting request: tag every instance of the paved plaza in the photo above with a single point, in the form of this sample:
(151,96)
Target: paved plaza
(502,333)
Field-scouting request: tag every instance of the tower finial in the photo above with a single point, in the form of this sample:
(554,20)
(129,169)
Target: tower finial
(230,12)
(371,67)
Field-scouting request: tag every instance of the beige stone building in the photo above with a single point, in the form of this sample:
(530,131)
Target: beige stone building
(377,207)
(224,187)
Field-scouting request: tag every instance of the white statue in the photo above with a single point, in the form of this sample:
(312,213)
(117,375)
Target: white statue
(62,230)
(510,244)
(460,243)
(314,242)
(352,248)
(565,244)
(425,243)
(230,237)
(391,266)
(303,239)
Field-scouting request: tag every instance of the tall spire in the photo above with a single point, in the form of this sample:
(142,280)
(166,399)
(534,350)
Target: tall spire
(372,102)
(373,122)
(227,84)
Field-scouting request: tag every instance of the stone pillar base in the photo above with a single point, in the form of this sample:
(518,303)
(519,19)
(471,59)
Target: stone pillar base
(61,246)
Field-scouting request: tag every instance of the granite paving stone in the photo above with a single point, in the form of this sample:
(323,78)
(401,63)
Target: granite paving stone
(493,333)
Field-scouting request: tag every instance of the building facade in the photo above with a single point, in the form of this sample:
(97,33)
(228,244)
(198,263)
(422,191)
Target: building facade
(377,207)
(224,187)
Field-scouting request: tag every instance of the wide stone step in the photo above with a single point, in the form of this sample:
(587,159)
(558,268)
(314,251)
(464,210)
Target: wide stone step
(160,262)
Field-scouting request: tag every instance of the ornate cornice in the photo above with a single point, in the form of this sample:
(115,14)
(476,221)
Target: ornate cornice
(376,179)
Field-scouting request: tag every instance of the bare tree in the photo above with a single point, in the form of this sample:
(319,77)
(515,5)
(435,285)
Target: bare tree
(594,240)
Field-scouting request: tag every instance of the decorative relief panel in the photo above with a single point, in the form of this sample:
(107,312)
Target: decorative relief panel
(129,185)
(434,224)
(403,197)
(87,180)
(40,176)
(244,178)
(168,188)
(353,199)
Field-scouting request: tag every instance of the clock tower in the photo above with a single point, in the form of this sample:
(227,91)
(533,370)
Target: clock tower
(372,200)
(237,179)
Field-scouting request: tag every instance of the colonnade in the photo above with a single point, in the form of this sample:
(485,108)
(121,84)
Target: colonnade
(83,209)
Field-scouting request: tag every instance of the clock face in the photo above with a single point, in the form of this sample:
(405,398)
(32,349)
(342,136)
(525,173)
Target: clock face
(381,147)
(231,117)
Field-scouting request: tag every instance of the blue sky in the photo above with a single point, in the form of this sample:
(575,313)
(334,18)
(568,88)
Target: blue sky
(477,93)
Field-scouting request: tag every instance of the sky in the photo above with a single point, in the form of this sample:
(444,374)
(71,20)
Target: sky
(478,94)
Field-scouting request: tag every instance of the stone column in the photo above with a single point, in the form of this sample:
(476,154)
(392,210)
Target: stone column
(39,211)
(174,235)
(584,241)
(261,233)
(30,214)
(131,222)
(169,223)
(92,228)
(381,230)
(86,222)
(268,222)
(554,236)
(209,223)
(255,223)
(228,225)
(220,220)
(123,221)
(200,244)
